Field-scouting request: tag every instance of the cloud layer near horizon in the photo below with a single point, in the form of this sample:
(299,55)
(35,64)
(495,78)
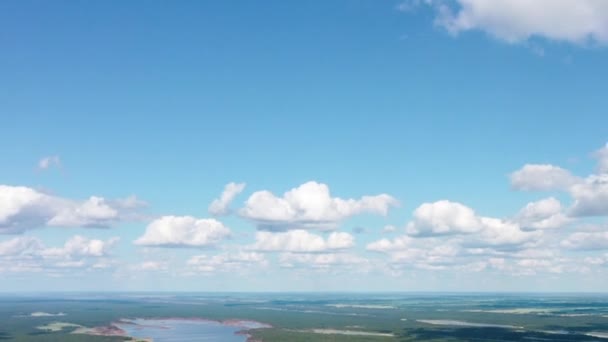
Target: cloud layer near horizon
(301,230)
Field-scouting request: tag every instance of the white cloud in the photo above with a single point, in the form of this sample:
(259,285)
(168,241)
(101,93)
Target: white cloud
(542,177)
(94,212)
(23,208)
(301,241)
(587,241)
(590,194)
(220,206)
(544,214)
(385,245)
(322,261)
(455,253)
(535,211)
(590,197)
(130,202)
(426,253)
(452,218)
(595,260)
(309,206)
(79,246)
(389,229)
(48,162)
(29,254)
(152,266)
(102,264)
(602,159)
(444,217)
(533,266)
(70,264)
(183,231)
(82,246)
(20,246)
(573,21)
(535,253)
(409,5)
(532,261)
(227,262)
(497,232)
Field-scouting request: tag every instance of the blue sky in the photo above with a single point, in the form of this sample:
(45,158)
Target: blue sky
(122,119)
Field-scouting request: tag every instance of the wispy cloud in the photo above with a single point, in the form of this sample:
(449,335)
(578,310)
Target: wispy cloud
(516,21)
(221,205)
(48,162)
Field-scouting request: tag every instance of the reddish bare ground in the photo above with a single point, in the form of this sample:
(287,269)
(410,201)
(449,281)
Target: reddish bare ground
(112,330)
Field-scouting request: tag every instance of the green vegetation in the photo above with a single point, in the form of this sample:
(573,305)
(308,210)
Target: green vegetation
(295,317)
(294,336)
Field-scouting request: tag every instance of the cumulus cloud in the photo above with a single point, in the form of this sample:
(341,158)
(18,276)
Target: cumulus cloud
(513,21)
(20,246)
(542,177)
(452,218)
(183,231)
(94,212)
(23,208)
(221,206)
(444,217)
(456,254)
(48,162)
(29,254)
(425,253)
(301,241)
(80,246)
(498,232)
(589,195)
(385,245)
(544,214)
(227,262)
(309,206)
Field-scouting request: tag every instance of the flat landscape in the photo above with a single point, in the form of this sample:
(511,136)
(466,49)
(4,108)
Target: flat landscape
(302,171)
(304,317)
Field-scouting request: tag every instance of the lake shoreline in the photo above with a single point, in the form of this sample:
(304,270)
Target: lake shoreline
(114,329)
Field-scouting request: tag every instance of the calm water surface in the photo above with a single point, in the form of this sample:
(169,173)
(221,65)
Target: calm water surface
(173,330)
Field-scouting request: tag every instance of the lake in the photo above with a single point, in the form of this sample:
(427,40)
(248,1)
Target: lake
(182,330)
